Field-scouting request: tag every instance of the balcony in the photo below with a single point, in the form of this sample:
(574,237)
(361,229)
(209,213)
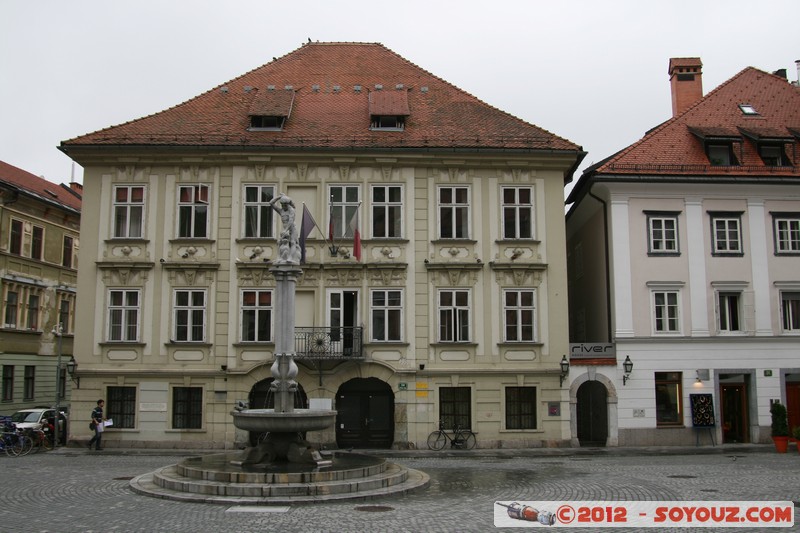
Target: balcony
(328,344)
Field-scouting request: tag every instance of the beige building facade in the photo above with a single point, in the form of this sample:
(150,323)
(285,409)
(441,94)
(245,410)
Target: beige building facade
(454,310)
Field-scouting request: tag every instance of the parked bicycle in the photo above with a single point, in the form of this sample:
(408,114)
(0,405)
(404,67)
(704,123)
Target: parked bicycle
(14,443)
(41,438)
(462,438)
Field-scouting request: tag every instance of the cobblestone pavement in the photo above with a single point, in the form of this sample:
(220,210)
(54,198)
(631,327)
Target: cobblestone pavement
(74,490)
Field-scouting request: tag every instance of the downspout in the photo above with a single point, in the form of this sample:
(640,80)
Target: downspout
(608,270)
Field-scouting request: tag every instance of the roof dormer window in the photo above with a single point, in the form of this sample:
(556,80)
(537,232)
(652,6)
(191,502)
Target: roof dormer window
(388,122)
(388,110)
(718,144)
(266,122)
(772,155)
(721,155)
(270,108)
(770,144)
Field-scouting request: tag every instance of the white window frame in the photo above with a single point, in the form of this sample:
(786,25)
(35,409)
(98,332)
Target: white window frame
(658,239)
(517,309)
(24,316)
(257,309)
(787,234)
(69,255)
(343,207)
(726,234)
(389,311)
(658,309)
(69,299)
(196,208)
(790,311)
(24,241)
(129,315)
(393,226)
(515,209)
(129,214)
(190,309)
(452,210)
(728,303)
(262,209)
(454,317)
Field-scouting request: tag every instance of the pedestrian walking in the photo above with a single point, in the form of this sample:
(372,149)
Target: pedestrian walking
(97,425)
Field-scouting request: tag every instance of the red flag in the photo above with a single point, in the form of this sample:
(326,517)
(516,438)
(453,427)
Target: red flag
(306,227)
(356,236)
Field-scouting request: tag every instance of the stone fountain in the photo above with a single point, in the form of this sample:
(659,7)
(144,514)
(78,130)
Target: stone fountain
(284,424)
(284,468)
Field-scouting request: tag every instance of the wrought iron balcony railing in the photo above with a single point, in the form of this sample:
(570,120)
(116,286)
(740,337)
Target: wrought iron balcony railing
(328,343)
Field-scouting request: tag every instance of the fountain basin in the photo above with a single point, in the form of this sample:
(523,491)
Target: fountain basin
(270,421)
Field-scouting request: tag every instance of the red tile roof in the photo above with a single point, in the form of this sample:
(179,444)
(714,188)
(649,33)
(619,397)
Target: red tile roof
(32,185)
(672,149)
(336,114)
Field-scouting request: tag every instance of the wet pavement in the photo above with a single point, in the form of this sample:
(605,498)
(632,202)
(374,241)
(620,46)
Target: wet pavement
(75,490)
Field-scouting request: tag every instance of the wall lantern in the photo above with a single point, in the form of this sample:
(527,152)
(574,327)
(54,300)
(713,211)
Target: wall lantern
(72,369)
(627,366)
(564,369)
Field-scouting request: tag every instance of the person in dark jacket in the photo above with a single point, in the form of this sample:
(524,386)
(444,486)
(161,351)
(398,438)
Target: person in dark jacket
(97,419)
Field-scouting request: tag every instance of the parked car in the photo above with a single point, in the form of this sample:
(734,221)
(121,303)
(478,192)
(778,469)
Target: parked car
(32,418)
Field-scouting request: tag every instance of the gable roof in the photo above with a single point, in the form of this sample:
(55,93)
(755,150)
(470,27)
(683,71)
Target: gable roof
(675,148)
(331,85)
(24,182)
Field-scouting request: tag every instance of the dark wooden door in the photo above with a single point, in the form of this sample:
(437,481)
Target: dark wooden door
(365,414)
(734,412)
(793,404)
(592,410)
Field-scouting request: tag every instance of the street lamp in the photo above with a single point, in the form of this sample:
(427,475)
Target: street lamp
(627,366)
(564,370)
(58,332)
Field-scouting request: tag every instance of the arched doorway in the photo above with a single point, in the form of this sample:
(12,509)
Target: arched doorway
(592,414)
(365,414)
(261,398)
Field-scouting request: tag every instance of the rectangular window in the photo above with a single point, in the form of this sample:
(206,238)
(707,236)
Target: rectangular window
(193,212)
(387,211)
(669,410)
(121,406)
(11,309)
(517,212)
(787,234)
(68,258)
(455,407)
(520,407)
(729,312)
(454,315)
(721,155)
(454,212)
(345,200)
(520,318)
(15,239)
(726,236)
(8,383)
(29,390)
(662,233)
(665,312)
(258,211)
(123,315)
(790,311)
(33,312)
(256,316)
(190,315)
(129,211)
(387,315)
(66,312)
(187,408)
(773,155)
(37,243)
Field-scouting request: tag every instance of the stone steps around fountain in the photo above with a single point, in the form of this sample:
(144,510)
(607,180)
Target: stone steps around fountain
(169,484)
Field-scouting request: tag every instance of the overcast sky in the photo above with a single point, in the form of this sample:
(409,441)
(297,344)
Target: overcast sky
(594,72)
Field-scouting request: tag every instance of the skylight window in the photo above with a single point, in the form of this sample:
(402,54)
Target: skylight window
(747,109)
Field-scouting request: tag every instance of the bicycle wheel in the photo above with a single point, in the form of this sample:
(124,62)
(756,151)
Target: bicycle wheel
(27,444)
(468,440)
(436,440)
(14,446)
(46,443)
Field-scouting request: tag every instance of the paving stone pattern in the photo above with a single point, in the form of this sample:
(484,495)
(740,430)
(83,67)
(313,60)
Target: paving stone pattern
(72,490)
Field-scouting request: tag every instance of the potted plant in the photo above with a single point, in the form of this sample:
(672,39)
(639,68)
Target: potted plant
(780,427)
(796,433)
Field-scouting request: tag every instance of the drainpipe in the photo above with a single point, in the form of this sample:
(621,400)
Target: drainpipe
(608,270)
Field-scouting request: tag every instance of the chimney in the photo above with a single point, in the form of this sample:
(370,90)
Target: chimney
(686,82)
(797,64)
